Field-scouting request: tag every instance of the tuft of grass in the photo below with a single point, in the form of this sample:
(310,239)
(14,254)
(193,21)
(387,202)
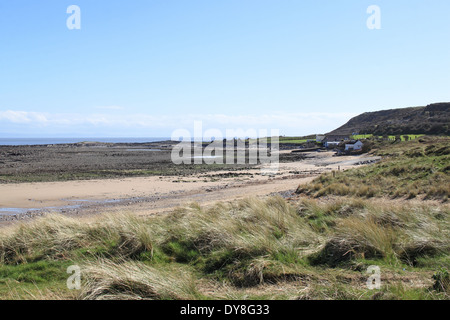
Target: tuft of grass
(357,238)
(58,237)
(394,233)
(131,280)
(442,281)
(226,239)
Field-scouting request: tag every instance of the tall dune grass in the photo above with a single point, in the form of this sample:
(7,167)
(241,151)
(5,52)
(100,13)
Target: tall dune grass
(133,280)
(56,237)
(245,244)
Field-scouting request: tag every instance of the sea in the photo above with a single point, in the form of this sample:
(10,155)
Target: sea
(46,141)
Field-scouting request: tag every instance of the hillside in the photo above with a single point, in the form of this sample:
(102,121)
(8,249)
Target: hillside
(432,119)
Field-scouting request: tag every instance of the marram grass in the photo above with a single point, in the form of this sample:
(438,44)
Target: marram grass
(248,249)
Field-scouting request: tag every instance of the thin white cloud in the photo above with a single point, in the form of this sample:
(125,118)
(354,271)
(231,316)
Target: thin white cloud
(301,123)
(110,108)
(23,117)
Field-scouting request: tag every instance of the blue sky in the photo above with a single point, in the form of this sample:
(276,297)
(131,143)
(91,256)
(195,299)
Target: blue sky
(148,67)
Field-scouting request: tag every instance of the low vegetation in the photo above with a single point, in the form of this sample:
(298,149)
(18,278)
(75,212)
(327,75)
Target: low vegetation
(418,168)
(250,249)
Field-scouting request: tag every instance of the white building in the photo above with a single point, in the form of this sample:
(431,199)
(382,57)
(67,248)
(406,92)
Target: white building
(355,146)
(332,141)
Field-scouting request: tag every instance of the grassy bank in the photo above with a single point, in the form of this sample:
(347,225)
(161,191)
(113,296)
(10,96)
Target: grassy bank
(419,168)
(250,249)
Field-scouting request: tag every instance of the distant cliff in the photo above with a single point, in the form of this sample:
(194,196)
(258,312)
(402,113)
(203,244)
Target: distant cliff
(432,119)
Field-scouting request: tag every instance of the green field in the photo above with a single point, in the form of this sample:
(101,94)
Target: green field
(287,140)
(402,137)
(294,141)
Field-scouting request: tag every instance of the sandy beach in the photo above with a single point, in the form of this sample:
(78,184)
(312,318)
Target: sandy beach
(156,194)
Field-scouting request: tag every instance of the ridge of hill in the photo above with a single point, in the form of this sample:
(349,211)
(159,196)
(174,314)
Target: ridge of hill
(433,119)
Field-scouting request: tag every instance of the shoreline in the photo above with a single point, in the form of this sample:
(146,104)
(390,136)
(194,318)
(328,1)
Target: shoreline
(155,194)
(81,140)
